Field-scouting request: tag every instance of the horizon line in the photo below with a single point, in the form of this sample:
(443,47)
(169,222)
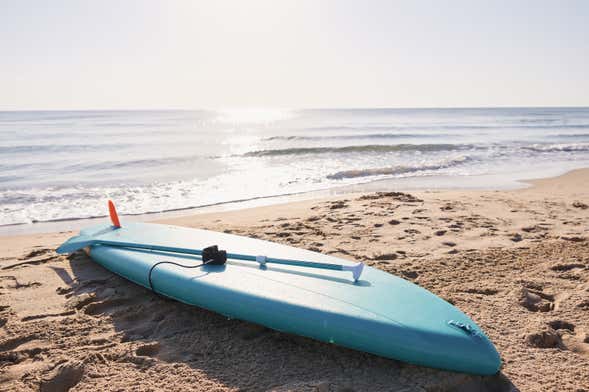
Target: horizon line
(298,109)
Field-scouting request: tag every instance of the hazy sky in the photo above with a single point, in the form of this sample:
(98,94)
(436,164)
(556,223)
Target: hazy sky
(294,54)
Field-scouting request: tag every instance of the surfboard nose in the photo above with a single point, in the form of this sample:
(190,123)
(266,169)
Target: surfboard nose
(477,353)
(485,358)
(490,361)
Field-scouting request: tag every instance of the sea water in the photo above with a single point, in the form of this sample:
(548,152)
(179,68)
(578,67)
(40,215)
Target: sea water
(61,165)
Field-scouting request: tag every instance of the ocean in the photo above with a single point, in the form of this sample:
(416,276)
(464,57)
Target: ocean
(63,165)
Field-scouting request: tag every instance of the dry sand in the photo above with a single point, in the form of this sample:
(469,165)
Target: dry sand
(517,262)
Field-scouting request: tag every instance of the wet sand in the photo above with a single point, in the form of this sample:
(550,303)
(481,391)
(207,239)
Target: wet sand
(517,262)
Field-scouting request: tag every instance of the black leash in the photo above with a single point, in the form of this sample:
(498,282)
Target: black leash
(211,255)
(171,262)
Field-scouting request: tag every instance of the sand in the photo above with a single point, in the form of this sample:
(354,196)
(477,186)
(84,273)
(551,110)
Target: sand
(517,262)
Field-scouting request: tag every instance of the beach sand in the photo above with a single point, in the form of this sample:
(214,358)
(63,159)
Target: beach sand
(517,262)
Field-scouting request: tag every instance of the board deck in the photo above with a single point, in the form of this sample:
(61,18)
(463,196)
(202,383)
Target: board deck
(380,313)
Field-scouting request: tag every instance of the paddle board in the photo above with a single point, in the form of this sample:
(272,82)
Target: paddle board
(379,313)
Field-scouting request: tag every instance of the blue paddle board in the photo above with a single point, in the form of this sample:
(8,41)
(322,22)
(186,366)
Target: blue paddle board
(380,313)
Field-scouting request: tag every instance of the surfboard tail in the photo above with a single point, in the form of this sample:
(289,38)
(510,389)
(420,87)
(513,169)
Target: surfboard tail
(74,244)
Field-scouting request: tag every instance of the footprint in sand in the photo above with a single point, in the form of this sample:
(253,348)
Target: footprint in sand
(533,229)
(480,290)
(535,300)
(570,271)
(384,256)
(561,324)
(35,253)
(106,306)
(78,302)
(338,205)
(544,339)
(573,238)
(64,290)
(11,344)
(564,335)
(148,350)
(62,378)
(456,226)
(18,285)
(410,274)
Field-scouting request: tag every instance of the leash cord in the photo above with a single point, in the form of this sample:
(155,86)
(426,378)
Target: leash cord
(173,263)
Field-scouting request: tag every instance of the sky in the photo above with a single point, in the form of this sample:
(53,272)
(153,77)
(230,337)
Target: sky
(147,54)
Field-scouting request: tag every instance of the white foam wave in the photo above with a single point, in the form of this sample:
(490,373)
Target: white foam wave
(395,170)
(562,147)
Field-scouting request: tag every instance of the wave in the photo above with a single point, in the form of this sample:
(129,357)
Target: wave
(350,149)
(89,202)
(548,126)
(570,135)
(137,163)
(448,127)
(406,127)
(360,136)
(395,170)
(37,148)
(572,147)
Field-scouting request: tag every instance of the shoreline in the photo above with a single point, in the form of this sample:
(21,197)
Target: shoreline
(420,183)
(515,261)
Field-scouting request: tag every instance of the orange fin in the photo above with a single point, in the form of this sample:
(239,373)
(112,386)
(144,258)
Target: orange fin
(114,217)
